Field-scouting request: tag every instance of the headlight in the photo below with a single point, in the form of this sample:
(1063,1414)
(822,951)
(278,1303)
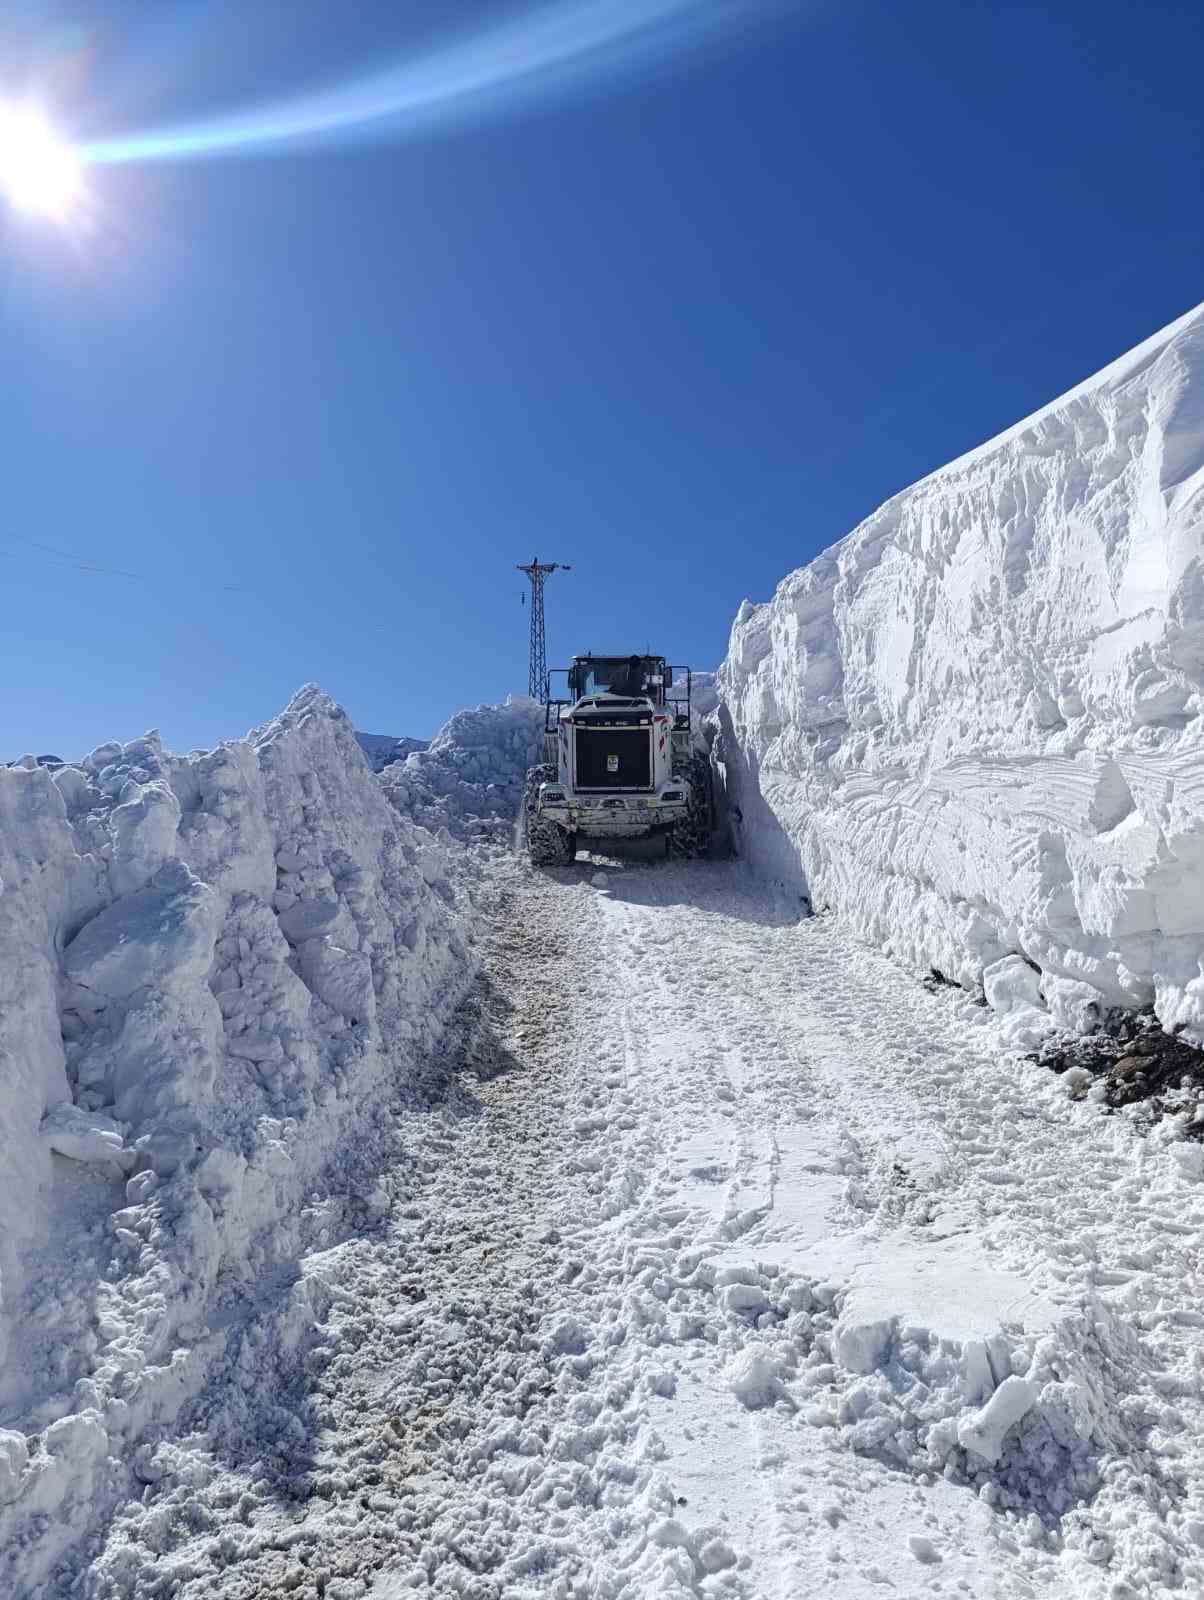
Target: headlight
(672,794)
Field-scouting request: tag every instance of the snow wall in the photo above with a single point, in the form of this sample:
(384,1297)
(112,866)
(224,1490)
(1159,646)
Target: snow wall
(470,777)
(973,727)
(213,969)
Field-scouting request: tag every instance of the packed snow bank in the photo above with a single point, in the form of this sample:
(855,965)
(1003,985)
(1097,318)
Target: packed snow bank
(973,727)
(469,780)
(212,968)
(383,749)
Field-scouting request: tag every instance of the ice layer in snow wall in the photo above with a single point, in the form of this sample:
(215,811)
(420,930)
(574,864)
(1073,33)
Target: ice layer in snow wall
(973,726)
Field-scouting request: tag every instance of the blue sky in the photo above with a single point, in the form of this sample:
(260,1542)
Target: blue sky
(681,327)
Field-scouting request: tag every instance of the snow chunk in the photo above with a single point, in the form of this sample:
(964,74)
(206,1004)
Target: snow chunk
(947,1292)
(1025,1027)
(309,919)
(754,1375)
(1189,1158)
(861,1345)
(14,1456)
(748,1299)
(144,834)
(1011,983)
(342,978)
(984,1432)
(1074,1007)
(163,934)
(86,1136)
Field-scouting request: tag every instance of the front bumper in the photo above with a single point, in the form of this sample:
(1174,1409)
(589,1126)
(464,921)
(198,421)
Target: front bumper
(615,816)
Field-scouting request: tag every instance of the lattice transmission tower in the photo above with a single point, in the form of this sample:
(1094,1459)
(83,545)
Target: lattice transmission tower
(538,572)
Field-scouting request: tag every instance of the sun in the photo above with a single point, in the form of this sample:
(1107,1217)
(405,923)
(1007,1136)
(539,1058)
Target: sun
(40,173)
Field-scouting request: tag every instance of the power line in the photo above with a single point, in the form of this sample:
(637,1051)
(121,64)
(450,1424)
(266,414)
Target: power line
(78,563)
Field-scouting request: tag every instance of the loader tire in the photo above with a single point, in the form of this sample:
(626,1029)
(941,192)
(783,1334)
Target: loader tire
(691,837)
(544,773)
(547,845)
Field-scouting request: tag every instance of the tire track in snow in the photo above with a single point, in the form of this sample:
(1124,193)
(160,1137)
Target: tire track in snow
(521,1384)
(957,1138)
(791,1502)
(470,1412)
(805,1514)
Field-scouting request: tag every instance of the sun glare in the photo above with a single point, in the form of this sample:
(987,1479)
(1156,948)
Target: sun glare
(40,173)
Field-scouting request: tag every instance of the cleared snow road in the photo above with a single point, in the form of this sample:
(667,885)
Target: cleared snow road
(695,1274)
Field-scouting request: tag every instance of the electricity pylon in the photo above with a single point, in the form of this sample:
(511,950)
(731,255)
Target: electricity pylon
(538,571)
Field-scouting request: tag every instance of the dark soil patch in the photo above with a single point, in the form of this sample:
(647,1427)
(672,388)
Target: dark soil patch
(936,982)
(936,979)
(1139,1064)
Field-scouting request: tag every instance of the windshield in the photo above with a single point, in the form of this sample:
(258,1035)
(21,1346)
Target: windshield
(626,675)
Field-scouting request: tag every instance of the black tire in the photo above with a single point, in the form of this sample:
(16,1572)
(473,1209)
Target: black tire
(691,837)
(547,845)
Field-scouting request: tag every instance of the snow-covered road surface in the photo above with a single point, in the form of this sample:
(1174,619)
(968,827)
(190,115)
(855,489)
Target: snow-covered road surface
(717,1257)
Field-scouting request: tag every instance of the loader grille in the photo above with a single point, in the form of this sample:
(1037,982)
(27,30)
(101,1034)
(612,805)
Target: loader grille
(613,758)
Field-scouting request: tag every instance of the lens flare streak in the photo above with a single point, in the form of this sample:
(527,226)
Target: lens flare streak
(553,49)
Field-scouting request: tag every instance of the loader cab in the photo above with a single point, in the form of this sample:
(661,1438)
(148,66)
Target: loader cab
(644,678)
(632,677)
